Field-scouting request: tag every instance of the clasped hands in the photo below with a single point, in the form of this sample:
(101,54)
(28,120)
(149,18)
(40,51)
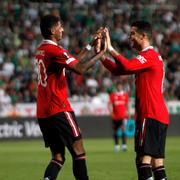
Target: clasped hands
(102,41)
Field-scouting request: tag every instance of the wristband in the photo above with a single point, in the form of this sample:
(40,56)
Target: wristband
(110,49)
(88,47)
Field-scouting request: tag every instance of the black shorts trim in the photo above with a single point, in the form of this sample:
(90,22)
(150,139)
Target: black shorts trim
(60,130)
(150,138)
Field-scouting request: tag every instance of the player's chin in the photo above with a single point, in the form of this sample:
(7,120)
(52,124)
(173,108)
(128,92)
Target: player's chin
(133,44)
(59,38)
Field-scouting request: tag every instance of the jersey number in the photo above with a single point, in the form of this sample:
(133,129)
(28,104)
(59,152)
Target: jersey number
(42,76)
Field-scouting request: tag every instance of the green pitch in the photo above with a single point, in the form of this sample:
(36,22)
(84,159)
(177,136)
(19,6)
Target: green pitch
(26,160)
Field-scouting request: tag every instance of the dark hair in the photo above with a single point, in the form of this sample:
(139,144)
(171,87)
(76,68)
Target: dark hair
(118,83)
(47,22)
(143,27)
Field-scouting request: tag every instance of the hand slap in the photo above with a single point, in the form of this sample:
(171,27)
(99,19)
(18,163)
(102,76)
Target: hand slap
(98,36)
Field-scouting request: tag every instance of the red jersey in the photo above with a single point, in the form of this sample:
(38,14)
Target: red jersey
(119,103)
(52,86)
(149,69)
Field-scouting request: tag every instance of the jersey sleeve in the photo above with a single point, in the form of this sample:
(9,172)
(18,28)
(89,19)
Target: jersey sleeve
(63,57)
(142,61)
(115,67)
(111,66)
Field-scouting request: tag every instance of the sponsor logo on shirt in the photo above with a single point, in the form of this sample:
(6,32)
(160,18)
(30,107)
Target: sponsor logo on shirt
(70,60)
(141,59)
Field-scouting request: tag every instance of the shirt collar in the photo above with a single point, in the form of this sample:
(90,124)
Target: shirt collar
(48,41)
(120,92)
(147,48)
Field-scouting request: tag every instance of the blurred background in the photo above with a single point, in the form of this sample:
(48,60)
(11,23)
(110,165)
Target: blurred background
(20,35)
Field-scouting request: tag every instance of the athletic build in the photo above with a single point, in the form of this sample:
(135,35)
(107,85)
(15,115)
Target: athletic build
(55,115)
(151,116)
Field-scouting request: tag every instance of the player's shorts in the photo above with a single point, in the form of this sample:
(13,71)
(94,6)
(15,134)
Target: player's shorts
(150,138)
(118,123)
(59,130)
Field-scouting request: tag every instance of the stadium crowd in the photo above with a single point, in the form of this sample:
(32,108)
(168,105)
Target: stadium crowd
(20,35)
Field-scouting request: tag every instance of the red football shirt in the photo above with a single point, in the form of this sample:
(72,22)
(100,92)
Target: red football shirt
(52,86)
(119,103)
(149,69)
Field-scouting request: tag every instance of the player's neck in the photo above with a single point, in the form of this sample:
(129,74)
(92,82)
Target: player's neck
(119,91)
(54,40)
(145,44)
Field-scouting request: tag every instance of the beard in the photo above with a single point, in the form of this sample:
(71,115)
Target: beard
(135,45)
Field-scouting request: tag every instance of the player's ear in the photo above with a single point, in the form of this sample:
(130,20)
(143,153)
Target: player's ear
(144,35)
(52,30)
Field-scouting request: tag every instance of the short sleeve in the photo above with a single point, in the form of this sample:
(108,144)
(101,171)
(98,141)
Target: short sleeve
(63,57)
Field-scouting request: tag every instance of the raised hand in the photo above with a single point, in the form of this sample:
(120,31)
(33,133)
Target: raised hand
(98,33)
(108,39)
(97,43)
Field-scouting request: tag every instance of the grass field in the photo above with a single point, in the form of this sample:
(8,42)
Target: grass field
(26,160)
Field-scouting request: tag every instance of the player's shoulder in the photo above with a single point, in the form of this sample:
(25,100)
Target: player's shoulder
(51,46)
(150,53)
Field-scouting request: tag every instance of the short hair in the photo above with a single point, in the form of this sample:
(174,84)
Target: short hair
(143,27)
(46,23)
(118,83)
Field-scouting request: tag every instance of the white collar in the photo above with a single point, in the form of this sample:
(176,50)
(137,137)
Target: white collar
(147,48)
(48,41)
(120,92)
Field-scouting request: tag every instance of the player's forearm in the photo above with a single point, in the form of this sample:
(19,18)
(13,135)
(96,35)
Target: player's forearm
(113,52)
(114,67)
(111,66)
(126,66)
(84,52)
(119,58)
(82,66)
(124,62)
